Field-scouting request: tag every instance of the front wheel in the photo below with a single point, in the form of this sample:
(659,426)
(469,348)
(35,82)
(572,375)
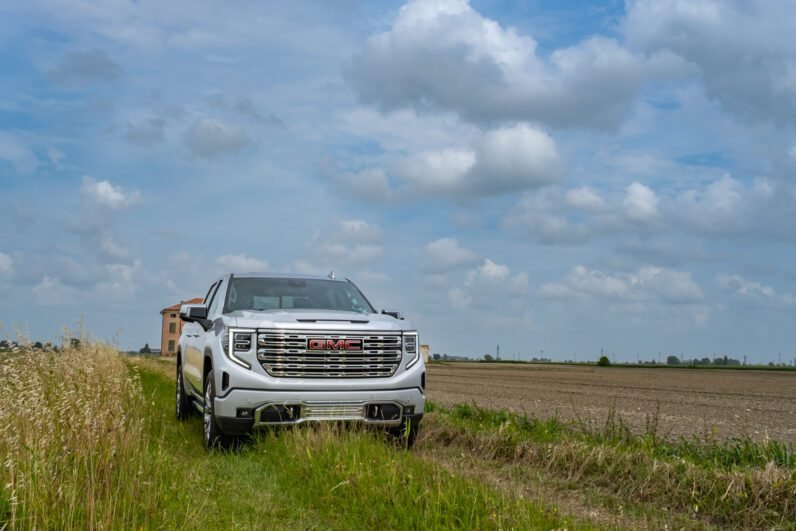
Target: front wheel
(183,407)
(213,436)
(406,434)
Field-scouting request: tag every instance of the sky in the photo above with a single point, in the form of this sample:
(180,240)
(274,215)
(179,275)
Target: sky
(554,177)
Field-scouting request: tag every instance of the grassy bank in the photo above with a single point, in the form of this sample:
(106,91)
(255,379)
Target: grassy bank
(90,442)
(725,483)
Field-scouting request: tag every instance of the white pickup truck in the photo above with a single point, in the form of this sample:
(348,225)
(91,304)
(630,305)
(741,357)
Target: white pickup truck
(266,350)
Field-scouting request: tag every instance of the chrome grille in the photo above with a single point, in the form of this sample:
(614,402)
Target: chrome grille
(285,354)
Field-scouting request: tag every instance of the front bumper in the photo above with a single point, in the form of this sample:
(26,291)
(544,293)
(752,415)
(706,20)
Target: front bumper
(240,410)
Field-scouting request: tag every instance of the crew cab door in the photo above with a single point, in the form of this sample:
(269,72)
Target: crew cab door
(194,347)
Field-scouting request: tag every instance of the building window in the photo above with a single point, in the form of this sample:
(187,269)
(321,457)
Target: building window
(172,328)
(174,316)
(171,345)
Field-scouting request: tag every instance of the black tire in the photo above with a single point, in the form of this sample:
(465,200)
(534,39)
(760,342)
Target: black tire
(406,434)
(214,438)
(183,408)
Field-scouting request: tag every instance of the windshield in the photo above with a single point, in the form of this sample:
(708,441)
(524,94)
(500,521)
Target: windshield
(289,293)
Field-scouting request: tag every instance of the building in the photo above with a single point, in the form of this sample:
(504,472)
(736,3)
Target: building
(171,327)
(424,352)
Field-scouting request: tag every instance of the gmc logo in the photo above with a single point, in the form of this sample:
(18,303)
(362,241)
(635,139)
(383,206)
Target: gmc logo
(334,344)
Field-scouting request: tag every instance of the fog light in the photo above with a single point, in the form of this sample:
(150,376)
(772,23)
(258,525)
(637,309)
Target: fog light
(245,413)
(409,411)
(384,412)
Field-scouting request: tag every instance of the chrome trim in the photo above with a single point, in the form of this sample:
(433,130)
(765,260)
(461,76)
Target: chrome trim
(330,411)
(284,354)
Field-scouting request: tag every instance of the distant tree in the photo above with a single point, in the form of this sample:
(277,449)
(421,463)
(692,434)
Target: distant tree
(436,356)
(672,360)
(704,361)
(145,349)
(74,343)
(38,345)
(4,344)
(445,357)
(488,357)
(603,361)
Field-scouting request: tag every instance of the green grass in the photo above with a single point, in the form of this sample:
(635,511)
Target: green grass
(101,449)
(333,478)
(730,454)
(736,482)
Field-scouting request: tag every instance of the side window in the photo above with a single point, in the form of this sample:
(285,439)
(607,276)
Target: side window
(215,300)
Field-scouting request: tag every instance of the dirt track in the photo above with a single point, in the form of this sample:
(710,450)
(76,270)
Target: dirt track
(721,403)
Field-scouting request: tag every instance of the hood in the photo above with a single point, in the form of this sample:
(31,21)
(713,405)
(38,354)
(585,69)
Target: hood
(300,319)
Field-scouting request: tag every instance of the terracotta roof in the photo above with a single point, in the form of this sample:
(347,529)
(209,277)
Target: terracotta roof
(176,307)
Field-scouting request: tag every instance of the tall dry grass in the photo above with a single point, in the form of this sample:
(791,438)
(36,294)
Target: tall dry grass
(75,443)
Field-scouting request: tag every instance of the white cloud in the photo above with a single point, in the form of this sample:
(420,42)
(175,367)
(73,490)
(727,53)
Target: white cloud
(743,49)
(240,263)
(756,291)
(501,160)
(728,205)
(641,203)
(543,215)
(120,280)
(446,254)
(354,241)
(648,283)
(489,271)
(6,264)
(105,194)
(444,170)
(459,299)
(339,253)
(208,138)
(52,292)
(584,198)
(372,184)
(443,55)
(359,230)
(491,276)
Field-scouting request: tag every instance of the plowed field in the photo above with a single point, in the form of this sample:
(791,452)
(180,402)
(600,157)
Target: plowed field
(718,403)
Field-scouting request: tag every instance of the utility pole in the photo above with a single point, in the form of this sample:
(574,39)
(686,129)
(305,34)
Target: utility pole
(744,359)
(497,353)
(780,359)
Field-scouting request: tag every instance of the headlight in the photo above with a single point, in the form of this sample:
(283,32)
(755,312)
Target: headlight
(237,341)
(410,347)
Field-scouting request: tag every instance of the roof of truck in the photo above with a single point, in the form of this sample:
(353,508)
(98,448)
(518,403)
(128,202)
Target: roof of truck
(285,275)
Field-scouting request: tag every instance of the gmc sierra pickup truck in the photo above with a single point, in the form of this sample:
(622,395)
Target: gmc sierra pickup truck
(270,350)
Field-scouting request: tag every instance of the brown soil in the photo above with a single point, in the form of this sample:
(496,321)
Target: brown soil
(704,402)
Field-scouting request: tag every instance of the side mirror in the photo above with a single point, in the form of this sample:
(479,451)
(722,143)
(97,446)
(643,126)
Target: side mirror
(191,313)
(393,313)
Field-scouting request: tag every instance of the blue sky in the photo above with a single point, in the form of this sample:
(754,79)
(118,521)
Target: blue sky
(563,177)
